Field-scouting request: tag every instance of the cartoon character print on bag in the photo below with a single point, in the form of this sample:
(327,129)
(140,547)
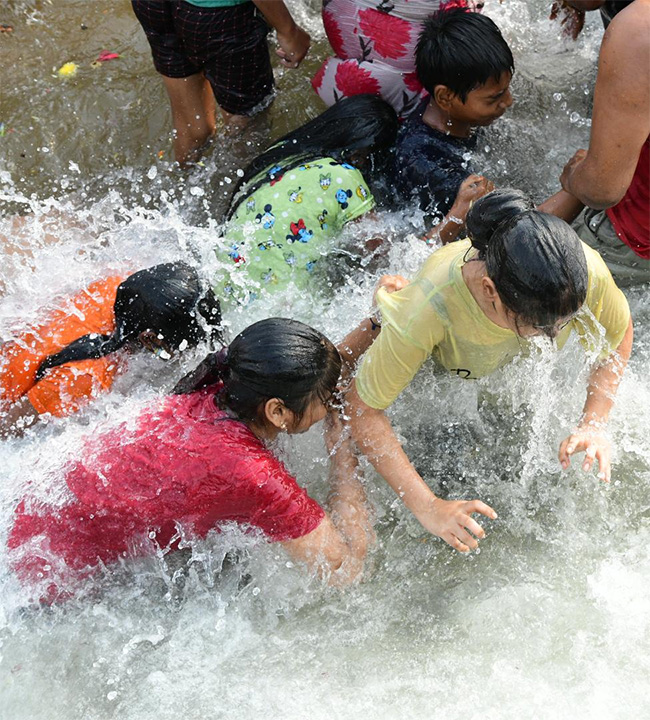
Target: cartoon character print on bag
(250,206)
(269,277)
(362,192)
(236,256)
(275,174)
(267,219)
(295,195)
(342,197)
(322,220)
(290,259)
(325,181)
(299,232)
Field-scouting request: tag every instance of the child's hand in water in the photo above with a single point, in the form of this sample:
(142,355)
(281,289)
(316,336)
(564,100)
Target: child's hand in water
(471,189)
(452,521)
(594,443)
(293,46)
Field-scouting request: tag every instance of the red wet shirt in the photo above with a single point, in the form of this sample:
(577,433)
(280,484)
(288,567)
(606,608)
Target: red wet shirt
(183,461)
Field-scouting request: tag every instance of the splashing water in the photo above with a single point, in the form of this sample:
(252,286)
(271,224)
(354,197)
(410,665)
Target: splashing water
(549,620)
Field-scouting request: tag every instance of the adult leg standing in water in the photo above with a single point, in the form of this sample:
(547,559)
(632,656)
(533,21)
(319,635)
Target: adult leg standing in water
(209,50)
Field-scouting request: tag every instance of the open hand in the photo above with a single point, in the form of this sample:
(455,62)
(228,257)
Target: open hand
(293,46)
(452,521)
(571,20)
(471,189)
(594,444)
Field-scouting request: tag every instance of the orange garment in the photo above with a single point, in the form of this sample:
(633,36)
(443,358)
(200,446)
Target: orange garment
(64,389)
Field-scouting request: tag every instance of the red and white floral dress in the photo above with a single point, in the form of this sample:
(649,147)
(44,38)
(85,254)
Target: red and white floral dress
(374,42)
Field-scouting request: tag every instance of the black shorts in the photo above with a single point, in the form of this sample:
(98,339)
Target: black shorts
(227,44)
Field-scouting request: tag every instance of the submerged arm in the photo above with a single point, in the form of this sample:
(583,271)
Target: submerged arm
(337,548)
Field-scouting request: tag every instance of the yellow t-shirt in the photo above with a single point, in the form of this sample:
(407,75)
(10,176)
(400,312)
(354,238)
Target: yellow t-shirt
(436,315)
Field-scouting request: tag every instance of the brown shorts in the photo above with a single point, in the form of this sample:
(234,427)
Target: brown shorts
(227,44)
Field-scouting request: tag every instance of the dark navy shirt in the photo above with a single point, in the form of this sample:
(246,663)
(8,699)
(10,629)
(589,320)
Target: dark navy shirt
(428,165)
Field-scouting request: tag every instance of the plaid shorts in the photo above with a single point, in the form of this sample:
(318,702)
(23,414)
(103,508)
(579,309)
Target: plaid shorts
(227,44)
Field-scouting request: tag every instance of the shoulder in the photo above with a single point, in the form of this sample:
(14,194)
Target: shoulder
(627,41)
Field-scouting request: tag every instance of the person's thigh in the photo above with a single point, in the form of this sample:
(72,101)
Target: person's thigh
(595,229)
(158,20)
(229,44)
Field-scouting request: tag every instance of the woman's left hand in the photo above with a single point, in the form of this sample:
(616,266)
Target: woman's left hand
(594,443)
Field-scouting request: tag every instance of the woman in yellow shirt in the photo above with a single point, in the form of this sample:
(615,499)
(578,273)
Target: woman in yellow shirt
(522,273)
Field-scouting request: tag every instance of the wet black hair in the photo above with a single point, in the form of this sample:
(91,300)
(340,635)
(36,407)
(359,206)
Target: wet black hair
(166,299)
(354,123)
(535,260)
(273,358)
(461,50)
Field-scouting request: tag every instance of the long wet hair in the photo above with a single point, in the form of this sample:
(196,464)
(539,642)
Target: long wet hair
(360,122)
(535,260)
(274,358)
(168,300)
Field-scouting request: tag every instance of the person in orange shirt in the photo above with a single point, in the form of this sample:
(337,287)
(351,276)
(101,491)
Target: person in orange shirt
(69,358)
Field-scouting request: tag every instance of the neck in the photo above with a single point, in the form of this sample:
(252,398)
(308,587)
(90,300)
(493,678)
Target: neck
(438,119)
(262,431)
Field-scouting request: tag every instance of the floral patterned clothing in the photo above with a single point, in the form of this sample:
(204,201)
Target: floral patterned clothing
(280,231)
(374,43)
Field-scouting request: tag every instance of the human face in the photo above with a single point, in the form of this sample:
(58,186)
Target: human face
(550,331)
(484,104)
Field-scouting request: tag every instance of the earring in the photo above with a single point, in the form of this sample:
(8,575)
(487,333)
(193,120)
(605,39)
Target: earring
(449,124)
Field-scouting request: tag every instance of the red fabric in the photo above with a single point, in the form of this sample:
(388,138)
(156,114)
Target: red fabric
(631,217)
(183,461)
(354,80)
(390,35)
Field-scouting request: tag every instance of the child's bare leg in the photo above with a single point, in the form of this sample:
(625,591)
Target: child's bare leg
(234,123)
(193,114)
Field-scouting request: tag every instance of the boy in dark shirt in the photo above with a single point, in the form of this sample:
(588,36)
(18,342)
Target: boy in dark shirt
(466,66)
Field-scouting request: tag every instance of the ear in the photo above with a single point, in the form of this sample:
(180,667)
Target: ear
(489,290)
(443,96)
(277,413)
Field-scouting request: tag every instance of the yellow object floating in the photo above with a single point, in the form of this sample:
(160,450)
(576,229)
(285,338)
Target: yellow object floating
(68,70)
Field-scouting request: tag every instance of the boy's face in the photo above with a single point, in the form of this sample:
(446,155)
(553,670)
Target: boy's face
(484,104)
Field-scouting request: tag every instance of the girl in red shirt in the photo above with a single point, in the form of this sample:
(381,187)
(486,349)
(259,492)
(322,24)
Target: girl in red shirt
(59,364)
(200,457)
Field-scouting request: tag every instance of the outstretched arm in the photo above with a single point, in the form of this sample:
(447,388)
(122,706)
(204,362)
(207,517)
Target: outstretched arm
(621,121)
(589,436)
(450,520)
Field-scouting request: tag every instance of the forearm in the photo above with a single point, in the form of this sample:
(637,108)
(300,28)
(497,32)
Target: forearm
(348,505)
(562,205)
(591,186)
(376,439)
(604,381)
(277,15)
